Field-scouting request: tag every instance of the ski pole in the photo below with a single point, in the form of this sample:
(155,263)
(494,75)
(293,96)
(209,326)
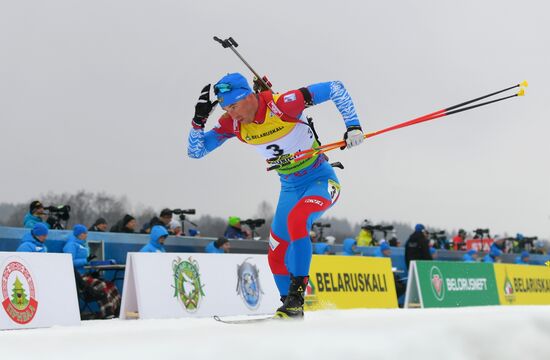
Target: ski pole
(306,154)
(232,44)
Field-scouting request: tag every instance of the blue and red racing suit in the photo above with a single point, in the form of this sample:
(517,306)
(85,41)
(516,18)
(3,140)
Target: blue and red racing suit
(308,188)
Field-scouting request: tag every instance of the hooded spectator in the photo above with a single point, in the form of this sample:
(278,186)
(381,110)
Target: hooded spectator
(33,241)
(493,255)
(219,246)
(126,225)
(470,256)
(350,247)
(77,246)
(384,250)
(100,225)
(36,215)
(157,237)
(524,258)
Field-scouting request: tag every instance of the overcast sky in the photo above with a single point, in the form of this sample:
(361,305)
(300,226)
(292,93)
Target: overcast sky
(98,95)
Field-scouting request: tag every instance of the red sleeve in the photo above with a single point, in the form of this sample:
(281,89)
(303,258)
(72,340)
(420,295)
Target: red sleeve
(291,103)
(226,126)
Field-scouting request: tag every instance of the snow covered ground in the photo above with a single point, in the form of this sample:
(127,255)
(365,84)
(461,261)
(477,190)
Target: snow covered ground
(520,332)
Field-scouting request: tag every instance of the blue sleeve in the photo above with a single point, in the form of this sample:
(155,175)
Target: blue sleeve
(335,91)
(201,143)
(72,249)
(25,247)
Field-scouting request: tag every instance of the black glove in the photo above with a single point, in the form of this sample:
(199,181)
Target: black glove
(90,258)
(203,108)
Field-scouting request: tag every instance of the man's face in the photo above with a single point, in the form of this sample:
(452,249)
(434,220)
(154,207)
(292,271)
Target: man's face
(244,110)
(131,224)
(162,239)
(166,219)
(387,253)
(83,236)
(42,238)
(39,212)
(102,227)
(226,247)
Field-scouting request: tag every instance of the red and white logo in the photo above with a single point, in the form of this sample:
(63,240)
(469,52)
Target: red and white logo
(18,291)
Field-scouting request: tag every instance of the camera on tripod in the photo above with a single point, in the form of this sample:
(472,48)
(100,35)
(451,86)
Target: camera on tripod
(182,213)
(253,223)
(481,233)
(56,214)
(321,225)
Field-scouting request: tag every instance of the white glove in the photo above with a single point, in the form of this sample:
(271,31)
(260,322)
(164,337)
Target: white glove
(353,136)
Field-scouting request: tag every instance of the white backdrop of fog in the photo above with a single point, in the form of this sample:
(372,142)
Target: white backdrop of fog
(98,95)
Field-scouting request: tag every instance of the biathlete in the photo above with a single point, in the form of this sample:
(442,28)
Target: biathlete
(274,125)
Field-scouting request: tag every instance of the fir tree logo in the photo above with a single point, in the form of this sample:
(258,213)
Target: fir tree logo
(509,293)
(18,292)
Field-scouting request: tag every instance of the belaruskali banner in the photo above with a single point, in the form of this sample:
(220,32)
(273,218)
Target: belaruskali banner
(175,285)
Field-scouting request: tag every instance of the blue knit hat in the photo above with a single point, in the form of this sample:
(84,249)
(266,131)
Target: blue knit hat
(39,229)
(419,228)
(385,246)
(231,88)
(524,254)
(79,230)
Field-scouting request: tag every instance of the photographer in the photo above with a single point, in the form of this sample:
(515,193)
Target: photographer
(126,225)
(234,229)
(417,246)
(364,238)
(219,246)
(459,241)
(104,292)
(36,215)
(163,219)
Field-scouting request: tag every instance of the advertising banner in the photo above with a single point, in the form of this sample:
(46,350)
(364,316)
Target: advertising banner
(479,244)
(523,284)
(450,284)
(175,285)
(346,282)
(37,290)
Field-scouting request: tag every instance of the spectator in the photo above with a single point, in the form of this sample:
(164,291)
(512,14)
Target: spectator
(36,215)
(100,225)
(234,230)
(470,256)
(175,228)
(146,228)
(104,292)
(219,246)
(157,237)
(524,258)
(126,225)
(350,247)
(321,248)
(394,241)
(384,250)
(493,256)
(33,241)
(193,232)
(364,238)
(417,246)
(459,241)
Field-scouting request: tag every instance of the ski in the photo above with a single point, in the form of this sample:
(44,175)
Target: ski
(244,321)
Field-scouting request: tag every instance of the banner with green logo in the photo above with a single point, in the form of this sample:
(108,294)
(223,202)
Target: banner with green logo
(451,284)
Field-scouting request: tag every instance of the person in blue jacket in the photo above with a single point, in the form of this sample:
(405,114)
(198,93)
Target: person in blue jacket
(470,256)
(493,255)
(219,246)
(35,215)
(350,246)
(34,240)
(77,246)
(157,237)
(523,259)
(384,250)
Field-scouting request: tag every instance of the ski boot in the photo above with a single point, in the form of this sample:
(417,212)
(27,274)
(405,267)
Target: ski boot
(293,305)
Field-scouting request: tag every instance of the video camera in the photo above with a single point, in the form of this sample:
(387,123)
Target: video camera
(437,235)
(56,214)
(482,232)
(186,211)
(383,228)
(253,223)
(528,241)
(321,225)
